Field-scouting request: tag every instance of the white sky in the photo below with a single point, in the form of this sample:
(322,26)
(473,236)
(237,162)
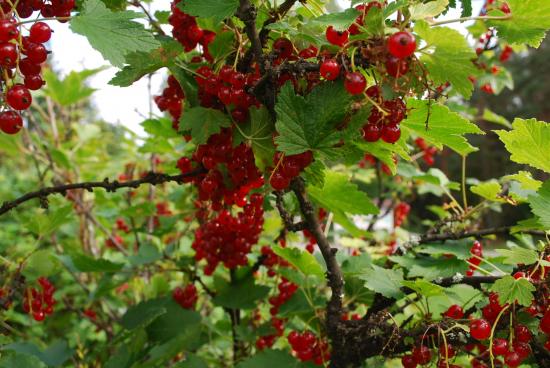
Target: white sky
(127,105)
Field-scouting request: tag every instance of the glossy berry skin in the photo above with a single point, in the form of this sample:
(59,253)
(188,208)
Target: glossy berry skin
(330,69)
(372,132)
(27,67)
(355,83)
(512,359)
(500,346)
(278,181)
(10,122)
(522,333)
(391,133)
(8,54)
(480,329)
(408,361)
(283,47)
(455,311)
(40,32)
(422,354)
(37,53)
(19,97)
(396,67)
(401,44)
(8,30)
(34,82)
(338,38)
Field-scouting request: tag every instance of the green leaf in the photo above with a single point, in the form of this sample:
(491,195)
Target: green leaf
(308,123)
(424,288)
(270,358)
(143,314)
(386,152)
(466,8)
(444,127)
(428,10)
(54,355)
(528,24)
(489,190)
(339,193)
(203,123)
(492,117)
(19,360)
(192,361)
(384,281)
(302,260)
(159,128)
(258,132)
(187,83)
(528,143)
(175,321)
(218,10)
(241,294)
(510,290)
(447,50)
(459,249)
(114,35)
(141,63)
(222,45)
(431,268)
(525,179)
(71,89)
(518,255)
(88,264)
(41,263)
(147,253)
(540,204)
(340,21)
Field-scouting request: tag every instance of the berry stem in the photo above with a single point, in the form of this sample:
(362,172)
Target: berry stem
(42,19)
(466,19)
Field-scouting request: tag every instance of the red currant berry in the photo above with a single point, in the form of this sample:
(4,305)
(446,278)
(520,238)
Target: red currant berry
(455,311)
(422,354)
(8,54)
(408,361)
(8,30)
(480,329)
(34,82)
(545,323)
(40,32)
(19,97)
(355,83)
(338,38)
(283,47)
(330,69)
(396,67)
(37,53)
(500,346)
(278,181)
(372,132)
(522,333)
(401,44)
(10,122)
(522,348)
(512,359)
(391,133)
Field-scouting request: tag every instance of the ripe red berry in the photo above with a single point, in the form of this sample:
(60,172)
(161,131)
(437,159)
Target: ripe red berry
(330,69)
(278,181)
(8,54)
(422,354)
(355,83)
(401,44)
(338,38)
(396,67)
(408,361)
(37,53)
(10,122)
(27,67)
(455,311)
(283,47)
(522,348)
(19,97)
(372,132)
(391,133)
(480,329)
(522,333)
(40,32)
(500,346)
(8,30)
(34,82)
(512,359)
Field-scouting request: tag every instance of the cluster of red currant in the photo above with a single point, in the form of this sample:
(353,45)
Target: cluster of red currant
(287,168)
(171,100)
(369,159)
(271,260)
(428,152)
(227,89)
(121,225)
(242,173)
(267,341)
(40,303)
(115,241)
(187,32)
(307,347)
(477,254)
(384,119)
(186,297)
(400,213)
(228,239)
(13,46)
(90,314)
(286,290)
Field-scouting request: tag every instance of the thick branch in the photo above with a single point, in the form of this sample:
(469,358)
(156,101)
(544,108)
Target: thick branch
(275,17)
(290,225)
(247,13)
(109,186)
(467,234)
(334,273)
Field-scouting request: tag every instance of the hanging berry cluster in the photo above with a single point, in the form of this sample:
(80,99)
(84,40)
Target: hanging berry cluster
(308,348)
(187,32)
(287,168)
(186,297)
(428,152)
(39,303)
(22,56)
